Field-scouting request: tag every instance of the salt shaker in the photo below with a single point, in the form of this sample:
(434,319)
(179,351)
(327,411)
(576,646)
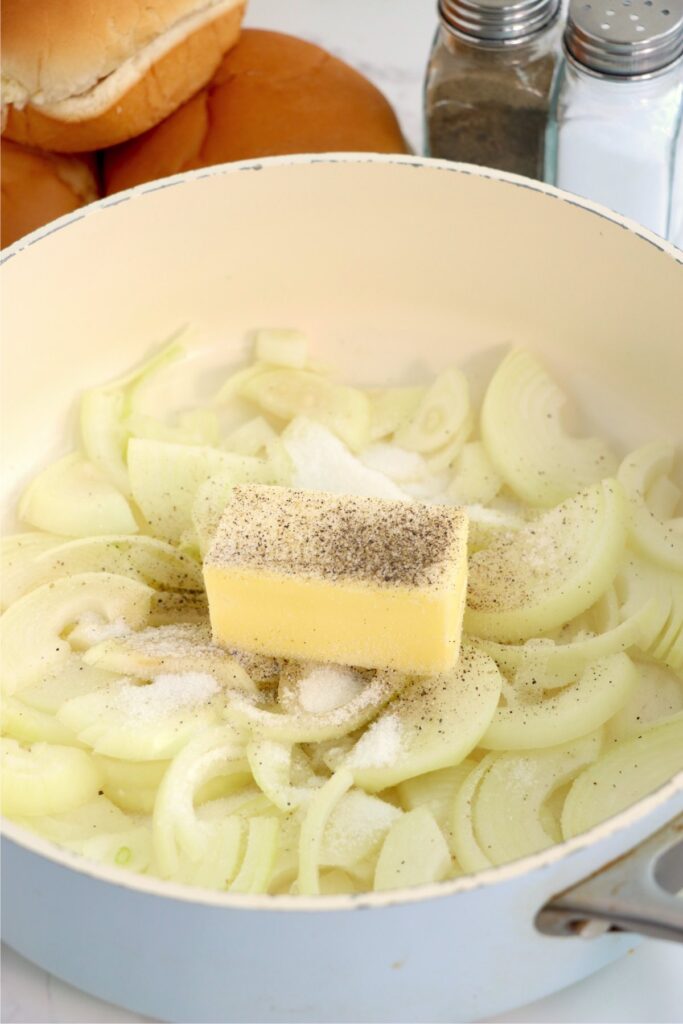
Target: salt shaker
(676,220)
(488,82)
(617,107)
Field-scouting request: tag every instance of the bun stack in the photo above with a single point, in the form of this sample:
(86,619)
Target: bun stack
(148,88)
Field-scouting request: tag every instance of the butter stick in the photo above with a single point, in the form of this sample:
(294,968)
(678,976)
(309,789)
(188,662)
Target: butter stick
(359,581)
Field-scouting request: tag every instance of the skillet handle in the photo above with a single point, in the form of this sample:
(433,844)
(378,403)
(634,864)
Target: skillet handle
(636,893)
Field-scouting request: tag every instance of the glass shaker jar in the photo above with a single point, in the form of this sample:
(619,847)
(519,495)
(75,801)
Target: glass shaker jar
(675,234)
(618,105)
(489,82)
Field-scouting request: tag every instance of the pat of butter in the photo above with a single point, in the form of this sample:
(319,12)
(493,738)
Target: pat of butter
(359,581)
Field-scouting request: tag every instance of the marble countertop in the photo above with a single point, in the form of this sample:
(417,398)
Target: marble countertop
(388,40)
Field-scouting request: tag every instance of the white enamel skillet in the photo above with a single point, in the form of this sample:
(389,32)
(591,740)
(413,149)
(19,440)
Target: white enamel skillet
(395,267)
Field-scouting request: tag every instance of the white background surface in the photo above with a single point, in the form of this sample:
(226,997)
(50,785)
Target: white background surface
(388,40)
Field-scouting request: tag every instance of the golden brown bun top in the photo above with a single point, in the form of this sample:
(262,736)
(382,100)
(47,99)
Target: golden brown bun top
(53,49)
(37,187)
(273,94)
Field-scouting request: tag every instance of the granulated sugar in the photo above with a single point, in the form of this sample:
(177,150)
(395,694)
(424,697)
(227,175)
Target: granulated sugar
(371,696)
(165,695)
(549,551)
(356,828)
(183,638)
(327,687)
(522,772)
(259,667)
(379,746)
(94,629)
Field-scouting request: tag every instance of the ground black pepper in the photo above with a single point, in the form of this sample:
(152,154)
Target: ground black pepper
(488,105)
(394,543)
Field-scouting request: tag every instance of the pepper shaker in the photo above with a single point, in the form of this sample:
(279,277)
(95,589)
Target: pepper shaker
(489,81)
(617,107)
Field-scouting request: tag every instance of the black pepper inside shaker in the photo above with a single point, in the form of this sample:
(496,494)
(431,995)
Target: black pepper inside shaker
(489,82)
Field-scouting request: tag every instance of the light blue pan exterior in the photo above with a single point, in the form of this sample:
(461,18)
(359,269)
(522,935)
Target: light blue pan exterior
(455,952)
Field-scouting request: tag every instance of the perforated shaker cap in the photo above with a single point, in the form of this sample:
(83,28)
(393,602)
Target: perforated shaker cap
(625,38)
(497,21)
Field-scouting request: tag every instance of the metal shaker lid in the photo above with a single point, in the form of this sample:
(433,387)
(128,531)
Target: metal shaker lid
(625,37)
(499,21)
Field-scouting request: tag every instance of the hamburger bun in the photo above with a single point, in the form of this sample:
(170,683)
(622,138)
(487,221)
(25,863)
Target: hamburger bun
(38,187)
(273,94)
(85,74)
